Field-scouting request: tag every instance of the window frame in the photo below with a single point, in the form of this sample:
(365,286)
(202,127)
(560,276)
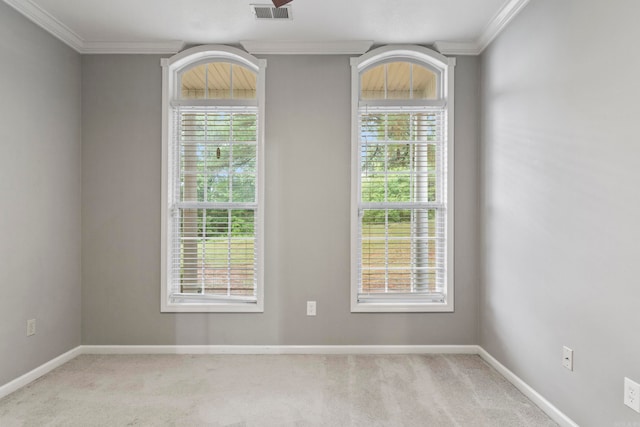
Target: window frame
(444,68)
(172,70)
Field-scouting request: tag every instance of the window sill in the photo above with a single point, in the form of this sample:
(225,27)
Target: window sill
(380,307)
(211,308)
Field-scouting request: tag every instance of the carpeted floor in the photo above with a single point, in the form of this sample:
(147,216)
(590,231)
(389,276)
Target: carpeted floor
(265,390)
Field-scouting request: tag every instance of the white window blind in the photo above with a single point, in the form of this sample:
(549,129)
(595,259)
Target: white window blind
(214,207)
(402,204)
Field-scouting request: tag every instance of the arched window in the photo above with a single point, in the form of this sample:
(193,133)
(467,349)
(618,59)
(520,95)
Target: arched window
(212,205)
(402,192)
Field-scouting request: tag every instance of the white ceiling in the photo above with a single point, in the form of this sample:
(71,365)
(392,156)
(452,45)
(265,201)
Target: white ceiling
(144,26)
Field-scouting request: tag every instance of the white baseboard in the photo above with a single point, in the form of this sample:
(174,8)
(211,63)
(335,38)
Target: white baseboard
(33,375)
(280,349)
(554,413)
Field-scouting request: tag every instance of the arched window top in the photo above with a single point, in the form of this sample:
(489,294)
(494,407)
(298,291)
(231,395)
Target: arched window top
(213,72)
(399,80)
(217,80)
(403,73)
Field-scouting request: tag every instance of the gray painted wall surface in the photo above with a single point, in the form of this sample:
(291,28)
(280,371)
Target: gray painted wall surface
(307,213)
(561,203)
(40,195)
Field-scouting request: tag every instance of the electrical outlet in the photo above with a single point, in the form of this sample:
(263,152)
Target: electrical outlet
(31,327)
(567,358)
(632,394)
(311,308)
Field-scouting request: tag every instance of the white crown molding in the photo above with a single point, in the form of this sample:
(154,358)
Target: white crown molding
(499,22)
(169,47)
(457,48)
(490,32)
(45,20)
(306,48)
(49,23)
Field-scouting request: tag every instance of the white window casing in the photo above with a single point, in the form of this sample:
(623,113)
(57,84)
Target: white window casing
(212,209)
(402,187)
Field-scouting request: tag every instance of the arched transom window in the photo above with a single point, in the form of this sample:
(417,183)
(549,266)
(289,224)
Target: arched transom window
(401,186)
(212,182)
(218,80)
(399,80)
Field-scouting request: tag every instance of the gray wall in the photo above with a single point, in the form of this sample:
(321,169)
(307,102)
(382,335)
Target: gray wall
(307,213)
(561,203)
(40,195)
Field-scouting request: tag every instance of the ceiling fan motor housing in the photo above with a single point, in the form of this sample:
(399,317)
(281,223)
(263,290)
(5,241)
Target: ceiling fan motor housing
(278,3)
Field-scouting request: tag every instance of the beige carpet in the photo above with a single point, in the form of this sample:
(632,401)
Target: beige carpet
(284,390)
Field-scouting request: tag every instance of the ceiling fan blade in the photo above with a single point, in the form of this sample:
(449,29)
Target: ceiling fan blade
(278,3)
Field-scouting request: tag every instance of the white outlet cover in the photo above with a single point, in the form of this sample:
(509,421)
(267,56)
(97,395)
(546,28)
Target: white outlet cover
(632,394)
(567,358)
(311,308)
(31,327)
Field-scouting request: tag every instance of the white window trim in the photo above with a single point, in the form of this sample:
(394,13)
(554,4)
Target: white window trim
(171,68)
(445,65)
